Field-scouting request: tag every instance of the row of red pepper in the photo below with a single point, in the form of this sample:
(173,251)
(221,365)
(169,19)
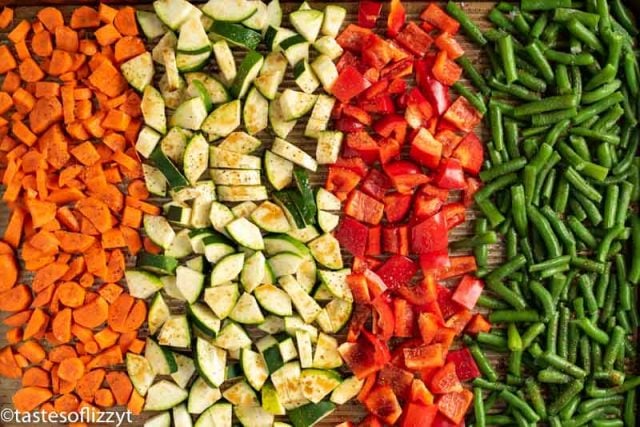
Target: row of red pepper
(401,208)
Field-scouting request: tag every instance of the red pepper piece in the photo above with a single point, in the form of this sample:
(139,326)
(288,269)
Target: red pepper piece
(454,214)
(396,206)
(435,260)
(376,184)
(459,321)
(368,13)
(352,236)
(392,125)
(424,356)
(425,149)
(436,92)
(377,53)
(354,164)
(357,113)
(466,368)
(370,421)
(445,70)
(455,405)
(437,17)
(358,284)
(430,235)
(396,19)
(354,38)
(468,291)
(450,175)
(383,317)
(361,264)
(473,185)
(428,323)
(397,271)
(364,146)
(418,110)
(420,393)
(361,357)
(381,105)
(398,69)
(418,415)
(348,124)
(359,318)
(398,379)
(470,152)
(445,380)
(341,180)
(405,176)
(448,307)
(442,421)
(395,240)
(374,241)
(478,324)
(389,150)
(375,284)
(414,39)
(364,208)
(449,140)
(397,86)
(449,44)
(383,403)
(376,89)
(347,59)
(425,207)
(404,318)
(350,83)
(463,115)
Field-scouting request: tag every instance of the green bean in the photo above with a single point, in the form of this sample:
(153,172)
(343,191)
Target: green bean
(577,210)
(560,228)
(581,232)
(483,363)
(598,107)
(473,74)
(586,288)
(490,211)
(487,238)
(633,274)
(500,20)
(582,59)
(597,334)
(536,53)
(516,402)
(570,391)
(610,206)
(597,135)
(610,299)
(606,75)
(569,409)
(481,252)
(585,353)
(591,404)
(514,316)
(626,189)
(614,346)
(499,420)
(547,119)
(629,384)
(581,185)
(546,232)
(490,385)
(630,408)
(563,83)
(553,376)
(612,376)
(511,166)
(478,407)
(601,92)
(513,89)
(560,102)
(585,35)
(506,51)
(531,333)
(495,185)
(607,422)
(603,11)
(561,196)
(532,5)
(530,81)
(630,66)
(586,18)
(605,243)
(552,333)
(539,26)
(492,340)
(563,365)
(558,129)
(467,24)
(609,120)
(625,163)
(550,263)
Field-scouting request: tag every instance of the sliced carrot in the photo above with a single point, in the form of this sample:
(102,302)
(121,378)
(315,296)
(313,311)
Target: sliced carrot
(104,398)
(19,33)
(43,298)
(61,352)
(66,39)
(30,71)
(6,16)
(61,325)
(7,61)
(41,44)
(32,351)
(89,384)
(107,13)
(9,269)
(109,357)
(92,314)
(84,17)
(107,35)
(23,100)
(15,299)
(66,403)
(8,366)
(51,17)
(17,319)
(36,323)
(29,398)
(12,80)
(71,294)
(71,369)
(107,79)
(36,377)
(120,386)
(136,346)
(60,63)
(23,133)
(125,21)
(136,403)
(128,47)
(22,50)
(6,102)
(68,104)
(111,239)
(97,212)
(106,338)
(14,335)
(48,275)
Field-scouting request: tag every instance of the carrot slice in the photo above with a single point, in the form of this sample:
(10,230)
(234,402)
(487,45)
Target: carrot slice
(29,398)
(71,369)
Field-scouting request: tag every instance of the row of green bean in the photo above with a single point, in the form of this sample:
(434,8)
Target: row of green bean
(559,183)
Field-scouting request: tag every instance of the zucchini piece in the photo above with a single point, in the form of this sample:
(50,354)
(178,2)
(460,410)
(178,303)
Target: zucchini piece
(328,148)
(279,171)
(254,368)
(158,313)
(257,21)
(142,284)
(175,332)
(220,158)
(191,114)
(242,194)
(310,414)
(274,300)
(274,13)
(294,104)
(161,420)
(196,88)
(295,48)
(323,320)
(272,325)
(221,299)
(159,264)
(305,234)
(154,180)
(318,383)
(327,221)
(172,97)
(307,22)
(204,318)
(336,283)
(287,349)
(274,35)
(219,415)
(240,142)
(295,323)
(247,311)
(247,72)
(235,177)
(305,77)
(174,12)
(286,381)
(253,416)
(333,18)
(237,35)
(320,116)
(306,274)
(196,263)
(152,107)
(161,359)
(232,337)
(327,45)
(241,394)
(227,269)
(202,396)
(181,416)
(186,62)
(253,271)
(225,60)
(220,216)
(244,209)
(215,90)
(210,362)
(280,126)
(347,390)
(294,154)
(326,355)
(229,10)
(271,218)
(304,304)
(201,206)
(177,213)
(196,158)
(174,143)
(305,350)
(140,372)
(189,283)
(285,264)
(256,112)
(326,250)
(278,243)
(169,286)
(196,237)
(139,71)
(193,38)
(223,120)
(271,75)
(185,371)
(158,230)
(326,70)
(168,42)
(150,24)
(271,401)
(246,234)
(147,141)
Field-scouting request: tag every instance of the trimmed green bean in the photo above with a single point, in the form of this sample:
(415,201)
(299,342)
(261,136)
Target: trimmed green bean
(467,24)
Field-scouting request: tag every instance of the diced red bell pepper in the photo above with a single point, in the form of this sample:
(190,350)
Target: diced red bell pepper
(466,368)
(418,415)
(424,356)
(425,149)
(420,393)
(369,382)
(376,285)
(364,208)
(428,325)
(347,59)
(395,240)
(450,175)
(445,70)
(398,379)
(361,264)
(350,83)
(383,315)
(341,180)
(366,356)
(405,175)
(459,321)
(455,405)
(433,308)
(376,184)
(348,124)
(370,421)
(389,150)
(470,152)
(358,284)
(437,17)
(433,261)
(448,307)
(468,291)
(392,125)
(478,324)
(454,214)
(368,13)
(442,421)
(397,86)
(450,45)
(382,104)
(354,38)
(445,380)
(459,265)
(419,294)
(398,69)
(430,235)
(364,145)
(414,39)
(354,164)
(371,74)
(404,318)
(377,53)
(357,113)
(374,241)
(396,19)
(397,355)
(359,319)
(425,207)
(463,115)
(383,403)
(397,271)
(396,206)
(437,94)
(418,110)
(448,138)
(376,89)
(352,236)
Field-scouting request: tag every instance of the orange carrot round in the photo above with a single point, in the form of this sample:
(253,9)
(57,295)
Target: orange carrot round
(71,369)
